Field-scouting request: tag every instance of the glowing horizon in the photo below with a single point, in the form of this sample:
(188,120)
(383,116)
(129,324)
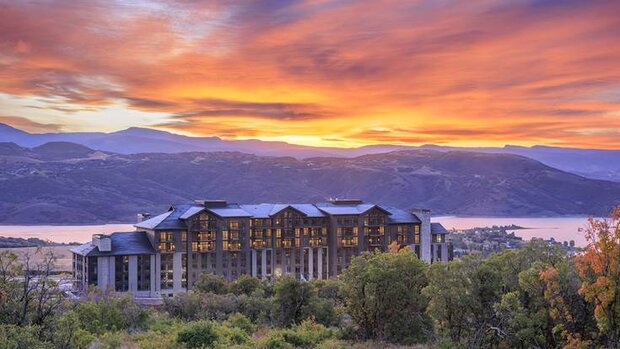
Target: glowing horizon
(318,72)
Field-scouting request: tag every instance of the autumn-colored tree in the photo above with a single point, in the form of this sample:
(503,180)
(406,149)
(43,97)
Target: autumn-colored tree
(599,270)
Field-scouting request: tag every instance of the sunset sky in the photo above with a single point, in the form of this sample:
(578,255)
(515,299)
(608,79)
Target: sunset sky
(318,72)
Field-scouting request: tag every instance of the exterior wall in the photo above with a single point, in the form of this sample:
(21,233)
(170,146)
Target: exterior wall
(105,272)
(287,243)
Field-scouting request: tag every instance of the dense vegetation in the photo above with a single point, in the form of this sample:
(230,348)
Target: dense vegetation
(534,297)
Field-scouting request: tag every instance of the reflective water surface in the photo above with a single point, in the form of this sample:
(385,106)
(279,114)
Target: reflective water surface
(560,228)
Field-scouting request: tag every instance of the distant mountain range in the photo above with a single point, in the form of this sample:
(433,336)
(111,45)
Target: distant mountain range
(64,183)
(591,163)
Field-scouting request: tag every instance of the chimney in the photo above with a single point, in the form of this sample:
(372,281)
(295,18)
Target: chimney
(211,203)
(346,201)
(143,216)
(102,242)
(425,232)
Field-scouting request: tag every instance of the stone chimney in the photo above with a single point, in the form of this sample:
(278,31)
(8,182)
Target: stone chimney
(102,242)
(346,201)
(142,216)
(211,203)
(425,232)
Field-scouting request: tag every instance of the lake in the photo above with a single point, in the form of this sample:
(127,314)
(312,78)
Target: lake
(560,228)
(62,233)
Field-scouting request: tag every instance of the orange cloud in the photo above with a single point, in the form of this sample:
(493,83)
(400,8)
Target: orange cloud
(328,72)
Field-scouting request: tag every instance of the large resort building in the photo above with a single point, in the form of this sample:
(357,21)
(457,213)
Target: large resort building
(167,253)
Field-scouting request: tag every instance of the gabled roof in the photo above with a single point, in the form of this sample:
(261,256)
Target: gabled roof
(401,216)
(170,220)
(259,210)
(265,210)
(437,228)
(339,209)
(229,211)
(123,244)
(277,208)
(192,211)
(152,223)
(309,210)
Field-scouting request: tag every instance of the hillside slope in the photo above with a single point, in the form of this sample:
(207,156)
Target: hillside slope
(591,163)
(63,183)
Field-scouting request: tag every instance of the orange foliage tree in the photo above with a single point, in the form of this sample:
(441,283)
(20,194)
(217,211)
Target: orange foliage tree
(599,271)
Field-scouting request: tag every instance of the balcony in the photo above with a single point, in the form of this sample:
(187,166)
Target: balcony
(232,245)
(259,244)
(203,246)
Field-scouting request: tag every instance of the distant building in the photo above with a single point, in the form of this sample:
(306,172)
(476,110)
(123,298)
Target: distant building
(168,252)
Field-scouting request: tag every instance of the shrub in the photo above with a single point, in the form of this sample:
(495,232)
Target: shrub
(245,284)
(209,283)
(22,337)
(256,307)
(274,340)
(200,334)
(200,306)
(104,312)
(292,300)
(240,321)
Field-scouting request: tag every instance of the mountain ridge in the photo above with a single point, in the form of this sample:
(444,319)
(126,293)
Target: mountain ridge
(73,185)
(591,163)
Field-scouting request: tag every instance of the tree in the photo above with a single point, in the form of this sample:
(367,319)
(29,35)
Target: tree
(293,299)
(383,295)
(28,294)
(599,270)
(209,283)
(461,297)
(200,334)
(245,284)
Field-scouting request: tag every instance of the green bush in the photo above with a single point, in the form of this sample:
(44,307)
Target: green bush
(274,340)
(103,312)
(209,283)
(245,284)
(200,334)
(242,322)
(22,337)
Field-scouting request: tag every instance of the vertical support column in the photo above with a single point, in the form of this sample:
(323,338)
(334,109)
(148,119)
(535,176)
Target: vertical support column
(301,263)
(112,272)
(133,274)
(319,260)
(102,272)
(253,256)
(157,269)
(310,263)
(263,263)
(177,271)
(154,271)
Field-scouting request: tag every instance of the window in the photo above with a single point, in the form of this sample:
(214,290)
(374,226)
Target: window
(144,272)
(203,241)
(166,271)
(347,236)
(121,273)
(166,242)
(231,238)
(184,270)
(92,270)
(416,236)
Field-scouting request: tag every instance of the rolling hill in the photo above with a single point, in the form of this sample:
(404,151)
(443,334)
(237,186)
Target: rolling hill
(66,183)
(591,163)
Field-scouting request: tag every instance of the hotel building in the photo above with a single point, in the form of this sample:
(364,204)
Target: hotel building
(167,253)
